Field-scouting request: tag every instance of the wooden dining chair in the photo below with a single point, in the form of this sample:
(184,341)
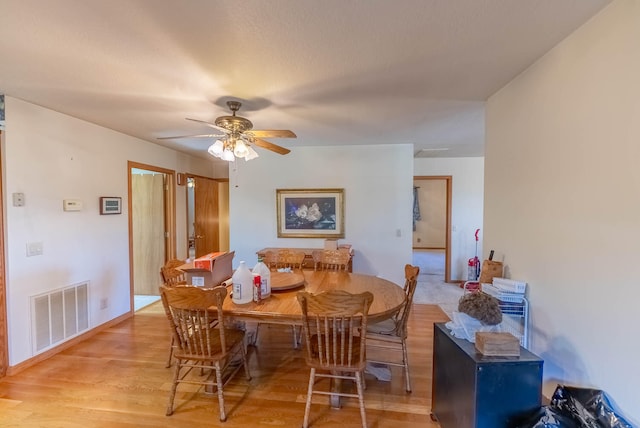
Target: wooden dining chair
(335,260)
(387,340)
(172,276)
(270,258)
(213,350)
(293,259)
(170,273)
(284,258)
(334,325)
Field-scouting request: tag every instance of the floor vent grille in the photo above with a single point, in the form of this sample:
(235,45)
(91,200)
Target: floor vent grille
(59,315)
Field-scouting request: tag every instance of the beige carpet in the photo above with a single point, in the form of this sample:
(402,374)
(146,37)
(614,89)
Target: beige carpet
(431,288)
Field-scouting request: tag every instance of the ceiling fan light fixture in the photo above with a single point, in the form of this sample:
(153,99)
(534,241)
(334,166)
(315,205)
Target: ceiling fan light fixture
(238,136)
(216,149)
(227,155)
(240,149)
(251,154)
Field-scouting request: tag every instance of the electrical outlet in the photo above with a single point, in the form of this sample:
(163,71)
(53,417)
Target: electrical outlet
(104,303)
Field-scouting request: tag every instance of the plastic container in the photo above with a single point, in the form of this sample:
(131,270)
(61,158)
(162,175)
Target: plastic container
(265,278)
(242,285)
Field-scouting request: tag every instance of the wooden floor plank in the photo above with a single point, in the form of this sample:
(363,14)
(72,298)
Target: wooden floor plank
(118,378)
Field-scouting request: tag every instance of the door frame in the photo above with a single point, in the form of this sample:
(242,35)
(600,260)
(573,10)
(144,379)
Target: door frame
(4,335)
(447,250)
(169,217)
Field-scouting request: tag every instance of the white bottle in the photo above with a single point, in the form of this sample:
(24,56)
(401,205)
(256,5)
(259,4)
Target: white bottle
(265,277)
(242,285)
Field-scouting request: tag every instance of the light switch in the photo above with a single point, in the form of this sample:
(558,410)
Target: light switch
(34,249)
(18,199)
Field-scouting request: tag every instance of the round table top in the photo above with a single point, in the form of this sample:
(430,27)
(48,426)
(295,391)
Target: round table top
(286,280)
(283,306)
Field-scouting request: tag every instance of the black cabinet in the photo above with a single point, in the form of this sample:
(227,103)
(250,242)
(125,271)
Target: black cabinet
(471,390)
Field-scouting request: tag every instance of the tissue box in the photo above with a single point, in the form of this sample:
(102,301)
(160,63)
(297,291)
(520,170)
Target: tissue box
(497,344)
(330,244)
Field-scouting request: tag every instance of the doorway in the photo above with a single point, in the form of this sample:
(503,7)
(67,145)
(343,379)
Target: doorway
(207,215)
(432,224)
(151,229)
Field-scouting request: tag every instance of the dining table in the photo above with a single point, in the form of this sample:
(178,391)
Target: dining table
(282,306)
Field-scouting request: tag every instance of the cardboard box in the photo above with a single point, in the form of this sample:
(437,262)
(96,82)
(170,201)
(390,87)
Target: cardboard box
(206,262)
(497,344)
(213,269)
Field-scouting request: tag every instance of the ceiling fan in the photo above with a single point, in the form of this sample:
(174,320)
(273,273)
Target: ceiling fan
(237,136)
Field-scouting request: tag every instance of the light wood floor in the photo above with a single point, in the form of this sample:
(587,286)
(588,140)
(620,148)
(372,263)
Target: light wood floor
(118,379)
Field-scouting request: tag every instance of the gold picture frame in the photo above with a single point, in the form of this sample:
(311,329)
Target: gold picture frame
(310,213)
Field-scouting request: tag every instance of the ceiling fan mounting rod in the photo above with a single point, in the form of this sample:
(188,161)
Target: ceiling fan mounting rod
(234,106)
(234,123)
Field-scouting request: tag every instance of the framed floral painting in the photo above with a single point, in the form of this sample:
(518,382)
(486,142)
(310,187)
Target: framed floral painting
(310,213)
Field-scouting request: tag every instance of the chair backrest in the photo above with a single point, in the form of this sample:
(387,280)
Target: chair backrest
(284,258)
(170,273)
(191,314)
(335,260)
(270,258)
(410,283)
(293,259)
(334,323)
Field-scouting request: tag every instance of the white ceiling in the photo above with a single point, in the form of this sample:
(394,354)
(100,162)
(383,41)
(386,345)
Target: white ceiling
(333,71)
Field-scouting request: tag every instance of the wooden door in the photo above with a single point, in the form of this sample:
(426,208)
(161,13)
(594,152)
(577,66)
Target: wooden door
(149,251)
(206,216)
(149,231)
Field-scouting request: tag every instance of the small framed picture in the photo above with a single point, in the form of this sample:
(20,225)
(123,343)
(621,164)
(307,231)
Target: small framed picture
(110,205)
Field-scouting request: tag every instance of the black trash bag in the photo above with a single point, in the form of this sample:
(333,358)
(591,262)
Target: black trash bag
(545,417)
(573,407)
(590,407)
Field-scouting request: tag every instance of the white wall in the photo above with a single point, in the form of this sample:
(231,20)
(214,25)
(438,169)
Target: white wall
(378,183)
(49,157)
(562,201)
(466,206)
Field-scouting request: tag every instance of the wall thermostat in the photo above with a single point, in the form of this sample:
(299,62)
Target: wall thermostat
(72,205)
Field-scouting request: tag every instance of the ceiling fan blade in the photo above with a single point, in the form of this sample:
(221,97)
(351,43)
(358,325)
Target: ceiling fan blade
(273,133)
(192,136)
(226,131)
(270,146)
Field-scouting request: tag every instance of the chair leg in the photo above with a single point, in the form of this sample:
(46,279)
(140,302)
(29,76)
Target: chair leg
(254,339)
(172,394)
(363,415)
(170,353)
(297,337)
(245,363)
(405,361)
(223,415)
(307,408)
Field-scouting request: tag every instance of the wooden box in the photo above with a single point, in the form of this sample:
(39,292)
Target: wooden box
(497,344)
